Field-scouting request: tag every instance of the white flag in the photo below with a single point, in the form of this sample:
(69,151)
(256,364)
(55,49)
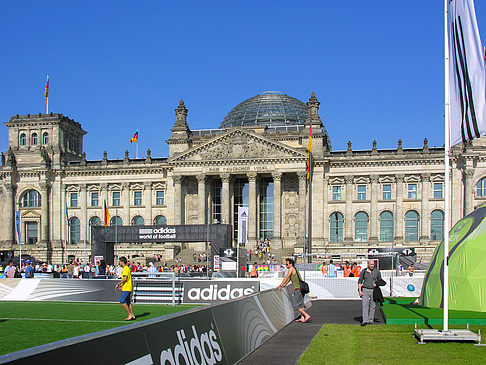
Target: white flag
(467,74)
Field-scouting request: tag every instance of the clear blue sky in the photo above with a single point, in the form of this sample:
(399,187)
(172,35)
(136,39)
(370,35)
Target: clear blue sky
(376,66)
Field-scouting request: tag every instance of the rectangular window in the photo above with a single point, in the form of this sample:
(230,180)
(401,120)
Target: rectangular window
(31,232)
(116,198)
(159,197)
(412,191)
(94,199)
(361,192)
(266,209)
(336,193)
(74,200)
(438,190)
(386,192)
(137,198)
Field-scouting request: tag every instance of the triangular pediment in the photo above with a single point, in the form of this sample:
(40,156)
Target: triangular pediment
(29,214)
(238,144)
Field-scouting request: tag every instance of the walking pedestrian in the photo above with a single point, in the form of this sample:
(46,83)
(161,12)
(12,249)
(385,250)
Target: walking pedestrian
(366,283)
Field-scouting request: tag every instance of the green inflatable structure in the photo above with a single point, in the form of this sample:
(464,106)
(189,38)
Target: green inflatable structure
(467,267)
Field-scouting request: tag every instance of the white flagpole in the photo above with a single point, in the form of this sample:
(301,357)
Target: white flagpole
(446,169)
(137,151)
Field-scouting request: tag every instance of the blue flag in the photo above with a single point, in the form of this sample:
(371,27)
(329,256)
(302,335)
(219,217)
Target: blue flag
(17,226)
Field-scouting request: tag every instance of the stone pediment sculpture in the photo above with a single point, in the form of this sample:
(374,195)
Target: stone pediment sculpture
(238,145)
(29,214)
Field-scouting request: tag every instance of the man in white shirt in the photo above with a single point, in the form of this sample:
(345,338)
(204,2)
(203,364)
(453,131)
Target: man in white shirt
(331,270)
(151,269)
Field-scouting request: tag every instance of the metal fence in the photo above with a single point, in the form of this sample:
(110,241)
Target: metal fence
(157,288)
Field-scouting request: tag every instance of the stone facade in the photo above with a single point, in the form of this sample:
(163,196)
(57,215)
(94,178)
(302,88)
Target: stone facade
(45,170)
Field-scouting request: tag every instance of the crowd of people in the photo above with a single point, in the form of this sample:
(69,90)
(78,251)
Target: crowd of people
(349,270)
(262,253)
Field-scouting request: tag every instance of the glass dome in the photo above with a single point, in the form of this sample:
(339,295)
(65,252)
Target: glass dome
(271,108)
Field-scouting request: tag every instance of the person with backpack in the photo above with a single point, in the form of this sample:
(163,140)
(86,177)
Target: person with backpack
(296,296)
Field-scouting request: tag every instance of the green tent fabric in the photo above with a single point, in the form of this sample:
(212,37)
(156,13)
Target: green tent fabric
(467,267)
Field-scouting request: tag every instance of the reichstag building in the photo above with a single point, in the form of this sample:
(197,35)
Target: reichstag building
(256,158)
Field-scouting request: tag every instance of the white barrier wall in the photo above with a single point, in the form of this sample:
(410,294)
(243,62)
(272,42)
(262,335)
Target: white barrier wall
(322,287)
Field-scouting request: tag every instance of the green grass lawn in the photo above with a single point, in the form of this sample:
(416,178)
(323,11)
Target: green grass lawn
(400,311)
(28,324)
(390,344)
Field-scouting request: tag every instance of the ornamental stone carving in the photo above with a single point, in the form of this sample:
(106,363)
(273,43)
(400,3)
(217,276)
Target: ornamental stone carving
(44,186)
(302,175)
(178,179)
(192,203)
(225,178)
(425,177)
(201,178)
(252,176)
(227,149)
(9,187)
(277,176)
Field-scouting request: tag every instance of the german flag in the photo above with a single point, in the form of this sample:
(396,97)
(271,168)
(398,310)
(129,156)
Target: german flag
(309,158)
(135,137)
(107,215)
(46,91)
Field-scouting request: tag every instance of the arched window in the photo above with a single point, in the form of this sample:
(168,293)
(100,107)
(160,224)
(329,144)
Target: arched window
(160,220)
(481,187)
(34,139)
(45,138)
(74,230)
(361,227)
(336,230)
(31,199)
(386,226)
(23,139)
(95,221)
(437,225)
(118,221)
(138,221)
(411,226)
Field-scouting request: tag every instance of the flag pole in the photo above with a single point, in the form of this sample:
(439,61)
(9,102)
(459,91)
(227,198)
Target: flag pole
(136,154)
(116,231)
(446,168)
(309,226)
(47,95)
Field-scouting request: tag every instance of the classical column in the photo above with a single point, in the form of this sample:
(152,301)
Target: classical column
(302,206)
(201,197)
(348,217)
(10,210)
(424,211)
(225,199)
(148,203)
(252,208)
(468,191)
(399,209)
(374,209)
(83,224)
(177,198)
(277,198)
(325,212)
(125,201)
(44,226)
